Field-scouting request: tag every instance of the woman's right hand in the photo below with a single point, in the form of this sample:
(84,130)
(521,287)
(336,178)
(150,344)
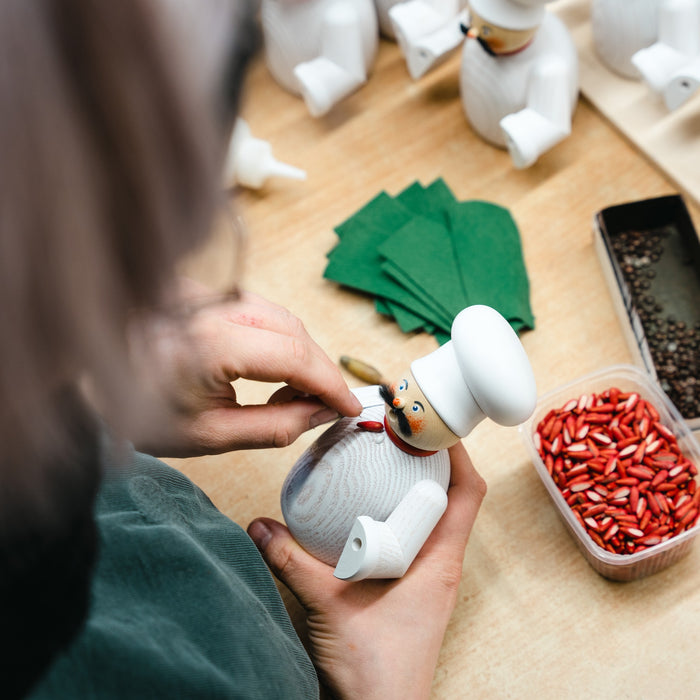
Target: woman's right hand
(193,364)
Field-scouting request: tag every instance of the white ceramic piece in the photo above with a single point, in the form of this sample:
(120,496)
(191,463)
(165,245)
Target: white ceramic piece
(683,84)
(321,50)
(620,28)
(250,162)
(670,66)
(522,101)
(366,501)
(427,31)
(385,26)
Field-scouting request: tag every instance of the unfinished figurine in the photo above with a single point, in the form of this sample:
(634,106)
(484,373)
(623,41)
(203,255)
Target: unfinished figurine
(367,494)
(518,77)
(671,66)
(320,49)
(620,28)
(427,31)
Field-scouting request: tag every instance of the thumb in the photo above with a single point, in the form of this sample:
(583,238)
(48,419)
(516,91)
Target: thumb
(307,577)
(235,427)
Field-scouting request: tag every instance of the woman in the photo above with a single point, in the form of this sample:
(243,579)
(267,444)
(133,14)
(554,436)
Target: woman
(118,578)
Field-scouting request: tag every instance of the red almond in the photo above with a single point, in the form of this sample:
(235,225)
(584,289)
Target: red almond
(371,426)
(620,470)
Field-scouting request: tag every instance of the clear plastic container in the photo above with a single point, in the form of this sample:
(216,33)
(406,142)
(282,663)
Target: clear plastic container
(619,567)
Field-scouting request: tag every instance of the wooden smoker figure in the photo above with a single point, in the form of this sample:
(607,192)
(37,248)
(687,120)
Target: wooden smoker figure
(320,49)
(367,494)
(518,77)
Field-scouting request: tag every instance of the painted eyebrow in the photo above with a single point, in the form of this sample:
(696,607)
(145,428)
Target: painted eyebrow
(419,403)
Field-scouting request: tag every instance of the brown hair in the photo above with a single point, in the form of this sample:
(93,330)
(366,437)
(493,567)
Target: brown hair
(111,156)
(112,135)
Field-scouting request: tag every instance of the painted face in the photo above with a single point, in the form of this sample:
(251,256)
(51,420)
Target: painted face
(412,418)
(498,40)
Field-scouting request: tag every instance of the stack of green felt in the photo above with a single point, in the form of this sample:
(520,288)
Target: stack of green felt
(425,256)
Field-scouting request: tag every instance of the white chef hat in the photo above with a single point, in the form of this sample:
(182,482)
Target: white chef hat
(482,371)
(510,14)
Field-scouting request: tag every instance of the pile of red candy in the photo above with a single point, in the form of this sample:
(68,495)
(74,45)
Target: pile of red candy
(620,470)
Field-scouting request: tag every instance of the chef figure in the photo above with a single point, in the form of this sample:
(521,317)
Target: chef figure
(320,49)
(367,494)
(427,31)
(518,77)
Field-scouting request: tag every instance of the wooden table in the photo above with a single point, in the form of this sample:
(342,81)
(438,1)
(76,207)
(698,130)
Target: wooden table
(533,620)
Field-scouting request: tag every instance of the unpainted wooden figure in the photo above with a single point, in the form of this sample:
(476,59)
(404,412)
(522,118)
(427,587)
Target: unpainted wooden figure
(322,50)
(518,77)
(367,494)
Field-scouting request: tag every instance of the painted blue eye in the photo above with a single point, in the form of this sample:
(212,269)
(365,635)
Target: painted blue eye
(403,385)
(416,407)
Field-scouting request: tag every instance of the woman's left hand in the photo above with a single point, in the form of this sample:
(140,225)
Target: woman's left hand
(380,638)
(193,363)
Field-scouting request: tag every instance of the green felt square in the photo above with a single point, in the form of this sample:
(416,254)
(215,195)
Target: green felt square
(489,256)
(424,256)
(432,202)
(407,320)
(422,251)
(356,262)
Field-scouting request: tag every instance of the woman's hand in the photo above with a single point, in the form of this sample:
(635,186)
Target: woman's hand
(381,639)
(192,363)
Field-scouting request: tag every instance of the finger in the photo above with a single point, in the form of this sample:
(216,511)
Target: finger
(466,492)
(464,496)
(263,355)
(257,312)
(307,577)
(259,426)
(287,393)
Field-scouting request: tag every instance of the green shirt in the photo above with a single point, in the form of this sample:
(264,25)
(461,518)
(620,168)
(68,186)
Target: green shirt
(182,604)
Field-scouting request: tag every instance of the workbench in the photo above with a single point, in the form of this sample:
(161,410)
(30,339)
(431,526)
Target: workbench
(533,619)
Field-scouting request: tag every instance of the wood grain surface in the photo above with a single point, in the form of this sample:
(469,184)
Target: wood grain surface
(533,619)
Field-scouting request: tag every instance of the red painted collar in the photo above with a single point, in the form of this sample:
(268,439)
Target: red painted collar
(403,445)
(491,52)
(514,51)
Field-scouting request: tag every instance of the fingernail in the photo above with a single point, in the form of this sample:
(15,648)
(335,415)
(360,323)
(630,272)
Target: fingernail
(326,415)
(260,534)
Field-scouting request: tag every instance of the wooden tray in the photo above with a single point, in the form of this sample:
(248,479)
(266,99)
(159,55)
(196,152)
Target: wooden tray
(671,140)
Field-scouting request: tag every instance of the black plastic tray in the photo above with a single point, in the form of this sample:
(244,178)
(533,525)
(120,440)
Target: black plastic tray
(650,253)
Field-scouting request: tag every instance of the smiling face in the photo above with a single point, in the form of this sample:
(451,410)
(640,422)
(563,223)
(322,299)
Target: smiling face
(412,418)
